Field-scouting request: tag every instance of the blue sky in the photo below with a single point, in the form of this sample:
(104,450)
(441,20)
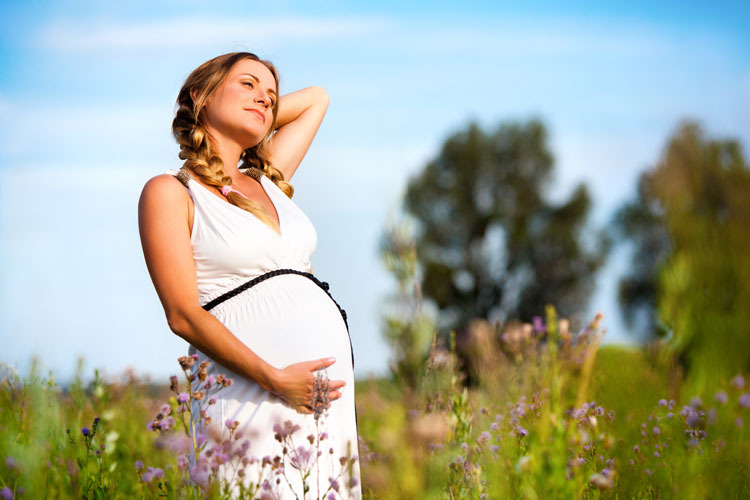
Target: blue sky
(87,95)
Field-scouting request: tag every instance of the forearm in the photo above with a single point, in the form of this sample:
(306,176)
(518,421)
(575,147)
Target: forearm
(293,104)
(207,334)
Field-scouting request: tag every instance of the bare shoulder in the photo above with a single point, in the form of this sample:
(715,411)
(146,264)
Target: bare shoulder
(164,189)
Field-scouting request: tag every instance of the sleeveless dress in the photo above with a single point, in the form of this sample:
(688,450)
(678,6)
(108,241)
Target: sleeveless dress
(284,320)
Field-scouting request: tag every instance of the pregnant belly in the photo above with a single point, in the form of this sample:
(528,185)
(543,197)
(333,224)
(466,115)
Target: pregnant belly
(288,319)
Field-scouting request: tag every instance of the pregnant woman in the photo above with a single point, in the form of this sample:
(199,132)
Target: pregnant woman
(222,220)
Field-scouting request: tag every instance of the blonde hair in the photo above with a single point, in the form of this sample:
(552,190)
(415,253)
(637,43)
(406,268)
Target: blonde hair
(195,142)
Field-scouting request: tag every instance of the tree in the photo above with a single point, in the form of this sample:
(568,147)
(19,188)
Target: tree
(690,229)
(489,243)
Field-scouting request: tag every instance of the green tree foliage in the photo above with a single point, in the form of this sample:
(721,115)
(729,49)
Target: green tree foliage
(691,230)
(489,242)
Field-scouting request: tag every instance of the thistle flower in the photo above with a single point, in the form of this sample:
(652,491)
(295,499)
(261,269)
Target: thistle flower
(85,431)
(183,397)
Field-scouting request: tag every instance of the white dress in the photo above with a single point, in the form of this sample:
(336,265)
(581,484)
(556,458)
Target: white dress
(284,320)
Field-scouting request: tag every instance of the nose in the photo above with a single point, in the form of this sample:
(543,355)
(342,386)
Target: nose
(263,99)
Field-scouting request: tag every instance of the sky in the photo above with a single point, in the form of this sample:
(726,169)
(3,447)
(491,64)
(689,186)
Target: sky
(87,95)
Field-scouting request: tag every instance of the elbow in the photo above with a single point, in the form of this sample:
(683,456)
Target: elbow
(179,322)
(321,95)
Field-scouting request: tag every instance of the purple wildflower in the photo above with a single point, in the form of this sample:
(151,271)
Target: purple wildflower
(158,473)
(483,438)
(521,432)
(182,461)
(10,462)
(721,397)
(183,397)
(739,422)
(147,476)
(745,400)
(696,402)
(85,431)
(538,324)
(6,493)
(138,465)
(738,382)
(662,402)
(656,431)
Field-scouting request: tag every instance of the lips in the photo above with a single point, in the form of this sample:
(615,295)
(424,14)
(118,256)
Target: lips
(260,114)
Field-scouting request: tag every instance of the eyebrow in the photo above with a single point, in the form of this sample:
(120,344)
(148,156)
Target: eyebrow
(272,91)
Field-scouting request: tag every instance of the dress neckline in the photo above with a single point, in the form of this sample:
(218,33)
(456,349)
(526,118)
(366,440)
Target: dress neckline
(280,234)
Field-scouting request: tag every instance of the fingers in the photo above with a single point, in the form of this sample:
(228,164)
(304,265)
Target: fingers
(323,363)
(336,384)
(333,395)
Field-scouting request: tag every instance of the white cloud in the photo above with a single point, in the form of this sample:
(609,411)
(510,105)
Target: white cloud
(187,33)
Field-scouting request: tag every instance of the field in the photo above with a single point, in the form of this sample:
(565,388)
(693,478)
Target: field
(547,414)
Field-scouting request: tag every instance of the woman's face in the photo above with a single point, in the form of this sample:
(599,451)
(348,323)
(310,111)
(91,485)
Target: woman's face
(241,109)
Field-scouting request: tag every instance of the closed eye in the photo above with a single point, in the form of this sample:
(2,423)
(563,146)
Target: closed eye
(252,86)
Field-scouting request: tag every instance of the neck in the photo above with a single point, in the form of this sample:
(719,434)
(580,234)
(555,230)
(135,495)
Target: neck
(229,151)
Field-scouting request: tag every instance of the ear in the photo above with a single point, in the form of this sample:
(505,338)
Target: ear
(193,93)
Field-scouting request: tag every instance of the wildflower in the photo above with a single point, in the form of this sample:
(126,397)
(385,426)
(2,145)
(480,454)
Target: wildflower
(670,415)
(745,400)
(580,461)
(656,431)
(738,382)
(494,427)
(495,448)
(696,402)
(693,419)
(212,401)
(182,461)
(10,462)
(334,484)
(738,422)
(158,473)
(538,324)
(483,438)
(138,465)
(147,476)
(721,397)
(186,362)
(521,432)
(198,395)
(600,481)
(662,402)
(656,454)
(6,493)
(85,431)
(173,384)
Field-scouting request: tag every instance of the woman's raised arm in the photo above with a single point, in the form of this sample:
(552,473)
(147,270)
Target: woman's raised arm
(164,225)
(300,115)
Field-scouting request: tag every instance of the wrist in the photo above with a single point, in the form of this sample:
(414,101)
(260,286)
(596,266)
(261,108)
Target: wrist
(269,378)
